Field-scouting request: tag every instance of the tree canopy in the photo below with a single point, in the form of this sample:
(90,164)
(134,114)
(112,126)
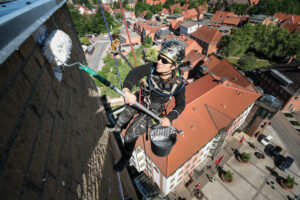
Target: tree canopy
(140,7)
(238,8)
(147,42)
(269,7)
(269,42)
(90,24)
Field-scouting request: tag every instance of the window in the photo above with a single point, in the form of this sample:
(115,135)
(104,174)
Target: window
(142,165)
(171,186)
(296,98)
(263,124)
(156,170)
(188,165)
(195,159)
(291,105)
(173,179)
(141,158)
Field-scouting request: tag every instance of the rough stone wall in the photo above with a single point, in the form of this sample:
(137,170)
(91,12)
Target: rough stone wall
(52,143)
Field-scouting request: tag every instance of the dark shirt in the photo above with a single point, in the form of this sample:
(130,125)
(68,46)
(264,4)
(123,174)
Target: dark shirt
(135,75)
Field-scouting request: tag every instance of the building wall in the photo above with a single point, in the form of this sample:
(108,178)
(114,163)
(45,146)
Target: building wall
(167,184)
(212,48)
(293,104)
(52,140)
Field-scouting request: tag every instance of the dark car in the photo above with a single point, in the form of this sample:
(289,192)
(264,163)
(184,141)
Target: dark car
(275,151)
(283,163)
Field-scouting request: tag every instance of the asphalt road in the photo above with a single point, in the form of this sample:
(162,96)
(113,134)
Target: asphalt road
(100,50)
(288,136)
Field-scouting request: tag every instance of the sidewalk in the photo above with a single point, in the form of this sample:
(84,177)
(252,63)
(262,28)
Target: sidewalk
(200,173)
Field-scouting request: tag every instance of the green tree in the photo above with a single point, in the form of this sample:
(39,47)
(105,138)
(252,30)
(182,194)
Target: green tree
(156,8)
(78,20)
(147,42)
(177,10)
(247,62)
(116,5)
(140,7)
(84,40)
(151,55)
(148,15)
(269,7)
(169,3)
(237,8)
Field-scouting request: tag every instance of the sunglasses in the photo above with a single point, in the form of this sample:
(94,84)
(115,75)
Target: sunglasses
(163,60)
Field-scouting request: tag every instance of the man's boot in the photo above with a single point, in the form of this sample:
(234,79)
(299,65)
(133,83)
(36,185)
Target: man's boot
(122,163)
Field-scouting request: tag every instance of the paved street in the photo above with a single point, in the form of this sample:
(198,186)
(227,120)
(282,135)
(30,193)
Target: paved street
(94,60)
(253,181)
(287,135)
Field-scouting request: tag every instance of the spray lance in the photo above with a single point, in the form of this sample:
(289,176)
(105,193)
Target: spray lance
(57,49)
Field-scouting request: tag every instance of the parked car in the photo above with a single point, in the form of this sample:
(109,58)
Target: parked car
(283,163)
(266,140)
(90,50)
(275,151)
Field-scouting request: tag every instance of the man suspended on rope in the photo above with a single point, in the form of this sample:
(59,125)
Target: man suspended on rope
(159,82)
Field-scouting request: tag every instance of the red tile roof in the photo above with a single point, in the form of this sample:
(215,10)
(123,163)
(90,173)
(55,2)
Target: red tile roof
(156,2)
(202,9)
(164,11)
(149,1)
(224,68)
(194,57)
(185,7)
(208,34)
(291,27)
(210,106)
(283,17)
(175,24)
(191,13)
(254,2)
(232,20)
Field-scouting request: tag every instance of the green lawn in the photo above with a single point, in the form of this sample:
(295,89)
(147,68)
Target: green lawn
(259,63)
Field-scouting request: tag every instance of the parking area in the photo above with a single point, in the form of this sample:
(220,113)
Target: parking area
(257,180)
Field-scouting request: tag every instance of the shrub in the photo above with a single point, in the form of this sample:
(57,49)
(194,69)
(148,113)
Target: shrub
(296,123)
(245,157)
(228,175)
(290,181)
(288,115)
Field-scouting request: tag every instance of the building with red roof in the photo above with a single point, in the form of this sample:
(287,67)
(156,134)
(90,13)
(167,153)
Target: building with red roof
(175,26)
(213,106)
(190,14)
(288,21)
(201,10)
(185,7)
(208,38)
(223,68)
(221,18)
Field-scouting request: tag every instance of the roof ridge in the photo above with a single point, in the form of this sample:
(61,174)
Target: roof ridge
(206,106)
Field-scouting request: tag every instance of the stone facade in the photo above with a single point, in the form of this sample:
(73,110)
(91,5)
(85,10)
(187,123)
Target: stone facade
(52,143)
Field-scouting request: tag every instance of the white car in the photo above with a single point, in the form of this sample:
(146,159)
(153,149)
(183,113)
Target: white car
(266,140)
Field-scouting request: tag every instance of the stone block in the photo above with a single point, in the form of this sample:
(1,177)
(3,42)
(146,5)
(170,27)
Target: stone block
(52,100)
(42,90)
(27,47)
(38,55)
(9,68)
(32,70)
(62,180)
(49,188)
(54,146)
(36,168)
(16,163)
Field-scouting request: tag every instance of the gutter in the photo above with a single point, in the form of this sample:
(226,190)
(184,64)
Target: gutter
(19,19)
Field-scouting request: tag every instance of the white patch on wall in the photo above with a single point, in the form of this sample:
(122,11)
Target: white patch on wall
(57,50)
